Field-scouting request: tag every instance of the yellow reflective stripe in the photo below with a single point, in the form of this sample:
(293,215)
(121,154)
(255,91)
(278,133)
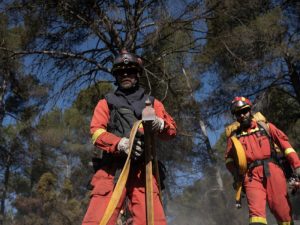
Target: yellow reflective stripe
(228,160)
(97,133)
(284,223)
(141,126)
(254,130)
(288,151)
(244,133)
(257,219)
(250,132)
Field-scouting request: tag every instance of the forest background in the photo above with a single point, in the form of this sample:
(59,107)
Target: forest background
(55,60)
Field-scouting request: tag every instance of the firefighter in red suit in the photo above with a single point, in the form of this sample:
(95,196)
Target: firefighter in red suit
(264,179)
(110,127)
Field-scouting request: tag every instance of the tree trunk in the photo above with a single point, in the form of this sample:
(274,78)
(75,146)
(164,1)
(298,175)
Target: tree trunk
(212,158)
(207,143)
(4,193)
(2,104)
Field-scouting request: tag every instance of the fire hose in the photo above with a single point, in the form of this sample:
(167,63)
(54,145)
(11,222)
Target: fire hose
(241,161)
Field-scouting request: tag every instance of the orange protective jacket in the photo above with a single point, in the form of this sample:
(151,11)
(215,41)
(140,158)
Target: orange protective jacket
(258,147)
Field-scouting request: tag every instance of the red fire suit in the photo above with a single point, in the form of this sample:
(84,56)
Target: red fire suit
(260,188)
(103,180)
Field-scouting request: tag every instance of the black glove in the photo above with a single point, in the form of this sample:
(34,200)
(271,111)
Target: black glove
(138,146)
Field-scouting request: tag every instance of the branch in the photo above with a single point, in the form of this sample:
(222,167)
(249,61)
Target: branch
(232,53)
(56,54)
(92,25)
(114,34)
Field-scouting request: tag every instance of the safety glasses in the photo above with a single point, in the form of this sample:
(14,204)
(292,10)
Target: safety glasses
(126,72)
(242,112)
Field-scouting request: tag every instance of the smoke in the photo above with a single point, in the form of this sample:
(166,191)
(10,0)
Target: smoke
(211,201)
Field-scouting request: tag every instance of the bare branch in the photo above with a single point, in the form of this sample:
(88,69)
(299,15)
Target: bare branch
(56,54)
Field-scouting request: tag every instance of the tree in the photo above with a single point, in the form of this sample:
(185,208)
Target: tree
(16,88)
(19,99)
(251,47)
(58,172)
(78,39)
(50,203)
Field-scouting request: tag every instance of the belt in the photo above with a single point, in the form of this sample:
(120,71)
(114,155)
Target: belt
(264,163)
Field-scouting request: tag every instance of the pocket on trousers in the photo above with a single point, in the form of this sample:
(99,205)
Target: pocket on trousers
(102,183)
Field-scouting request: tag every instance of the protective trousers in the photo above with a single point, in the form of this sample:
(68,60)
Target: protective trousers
(103,183)
(272,189)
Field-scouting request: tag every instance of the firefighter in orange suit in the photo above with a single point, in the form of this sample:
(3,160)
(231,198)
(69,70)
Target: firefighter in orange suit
(264,179)
(110,127)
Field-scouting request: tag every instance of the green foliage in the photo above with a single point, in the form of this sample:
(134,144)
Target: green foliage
(46,187)
(21,184)
(87,99)
(67,189)
(240,40)
(282,110)
(251,48)
(279,108)
(56,186)
(47,205)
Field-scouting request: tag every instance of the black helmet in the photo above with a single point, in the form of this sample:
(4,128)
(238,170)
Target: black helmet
(127,60)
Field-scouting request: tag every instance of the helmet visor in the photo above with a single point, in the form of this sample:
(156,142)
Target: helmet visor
(242,111)
(238,105)
(126,71)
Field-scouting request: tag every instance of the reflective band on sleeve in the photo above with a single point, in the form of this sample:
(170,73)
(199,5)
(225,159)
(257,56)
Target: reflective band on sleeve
(228,160)
(257,219)
(288,151)
(97,133)
(141,126)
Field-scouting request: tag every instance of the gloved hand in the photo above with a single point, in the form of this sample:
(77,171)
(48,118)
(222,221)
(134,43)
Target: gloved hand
(297,172)
(123,145)
(158,124)
(137,148)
